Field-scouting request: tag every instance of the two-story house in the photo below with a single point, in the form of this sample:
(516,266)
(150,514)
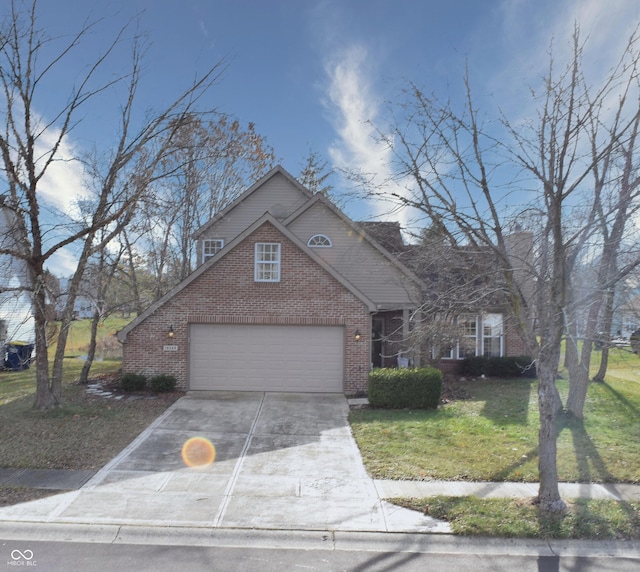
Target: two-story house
(289,295)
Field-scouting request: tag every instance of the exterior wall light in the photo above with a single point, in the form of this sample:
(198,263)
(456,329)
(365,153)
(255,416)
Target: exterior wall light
(171,332)
(357,336)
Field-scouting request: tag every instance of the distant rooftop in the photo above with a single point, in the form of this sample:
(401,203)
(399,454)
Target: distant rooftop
(387,234)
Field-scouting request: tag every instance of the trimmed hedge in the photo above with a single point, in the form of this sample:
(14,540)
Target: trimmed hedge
(511,366)
(162,383)
(399,388)
(133,382)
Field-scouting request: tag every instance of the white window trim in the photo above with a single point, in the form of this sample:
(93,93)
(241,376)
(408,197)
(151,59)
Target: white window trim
(320,237)
(205,242)
(444,355)
(259,263)
(469,318)
(500,336)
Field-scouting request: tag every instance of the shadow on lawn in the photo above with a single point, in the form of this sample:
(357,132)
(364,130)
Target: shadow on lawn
(509,402)
(507,473)
(591,466)
(631,407)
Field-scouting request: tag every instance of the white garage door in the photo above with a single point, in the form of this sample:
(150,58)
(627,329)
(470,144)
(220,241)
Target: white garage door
(266,358)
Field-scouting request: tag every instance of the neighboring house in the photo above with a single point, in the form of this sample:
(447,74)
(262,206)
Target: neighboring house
(461,284)
(627,319)
(289,295)
(16,319)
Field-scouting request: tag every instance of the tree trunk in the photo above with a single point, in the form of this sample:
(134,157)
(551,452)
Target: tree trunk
(46,398)
(578,387)
(91,354)
(67,315)
(571,347)
(579,369)
(548,494)
(607,322)
(604,363)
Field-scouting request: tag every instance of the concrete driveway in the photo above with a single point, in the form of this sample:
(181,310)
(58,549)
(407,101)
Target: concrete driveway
(283,461)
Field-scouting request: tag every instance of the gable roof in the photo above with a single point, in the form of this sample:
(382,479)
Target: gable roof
(358,229)
(267,217)
(278,170)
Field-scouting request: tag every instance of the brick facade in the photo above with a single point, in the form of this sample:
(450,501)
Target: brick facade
(226,293)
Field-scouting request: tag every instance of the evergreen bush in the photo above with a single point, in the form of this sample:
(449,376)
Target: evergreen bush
(162,383)
(508,366)
(133,382)
(417,388)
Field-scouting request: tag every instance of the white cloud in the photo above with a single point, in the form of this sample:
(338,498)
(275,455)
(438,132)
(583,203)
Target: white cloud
(62,185)
(62,263)
(353,110)
(530,30)
(354,107)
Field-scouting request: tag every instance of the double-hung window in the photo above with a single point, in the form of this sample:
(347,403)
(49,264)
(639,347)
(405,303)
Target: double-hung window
(267,262)
(210,247)
(469,340)
(492,335)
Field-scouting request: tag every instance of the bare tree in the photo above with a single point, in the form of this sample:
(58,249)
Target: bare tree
(616,189)
(450,166)
(97,279)
(208,165)
(30,145)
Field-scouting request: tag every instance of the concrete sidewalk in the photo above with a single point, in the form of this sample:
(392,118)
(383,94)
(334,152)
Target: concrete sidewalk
(52,479)
(391,489)
(68,480)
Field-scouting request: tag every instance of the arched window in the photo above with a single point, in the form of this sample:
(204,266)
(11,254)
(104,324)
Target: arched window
(319,241)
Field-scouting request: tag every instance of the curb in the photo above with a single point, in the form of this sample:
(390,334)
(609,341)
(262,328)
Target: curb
(315,540)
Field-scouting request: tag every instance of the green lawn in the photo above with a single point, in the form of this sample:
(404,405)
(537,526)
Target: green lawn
(520,518)
(492,435)
(85,432)
(19,384)
(79,333)
(14,385)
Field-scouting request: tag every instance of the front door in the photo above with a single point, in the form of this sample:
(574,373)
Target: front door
(377,337)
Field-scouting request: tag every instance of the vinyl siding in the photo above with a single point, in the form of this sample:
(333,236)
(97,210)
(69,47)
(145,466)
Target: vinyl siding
(355,259)
(277,192)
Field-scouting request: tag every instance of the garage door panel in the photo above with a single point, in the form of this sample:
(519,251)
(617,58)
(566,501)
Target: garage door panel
(266,358)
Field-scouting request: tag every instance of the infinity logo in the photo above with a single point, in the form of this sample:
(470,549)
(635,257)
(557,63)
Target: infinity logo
(26,555)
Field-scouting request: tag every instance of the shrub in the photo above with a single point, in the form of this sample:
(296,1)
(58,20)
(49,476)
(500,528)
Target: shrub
(133,382)
(511,366)
(162,383)
(399,388)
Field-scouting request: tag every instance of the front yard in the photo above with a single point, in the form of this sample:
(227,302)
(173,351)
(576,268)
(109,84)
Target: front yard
(492,435)
(488,432)
(86,432)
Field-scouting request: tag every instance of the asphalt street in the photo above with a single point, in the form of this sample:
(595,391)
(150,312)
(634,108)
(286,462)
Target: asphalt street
(65,556)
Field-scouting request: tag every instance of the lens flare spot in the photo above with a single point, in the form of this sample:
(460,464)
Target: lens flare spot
(198,452)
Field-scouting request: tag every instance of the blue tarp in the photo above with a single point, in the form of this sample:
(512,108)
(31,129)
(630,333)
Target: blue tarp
(17,355)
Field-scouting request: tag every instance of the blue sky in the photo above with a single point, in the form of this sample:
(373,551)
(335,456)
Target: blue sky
(311,74)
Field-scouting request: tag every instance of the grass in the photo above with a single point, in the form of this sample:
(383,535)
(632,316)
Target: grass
(14,385)
(85,432)
(491,435)
(21,384)
(520,518)
(78,339)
